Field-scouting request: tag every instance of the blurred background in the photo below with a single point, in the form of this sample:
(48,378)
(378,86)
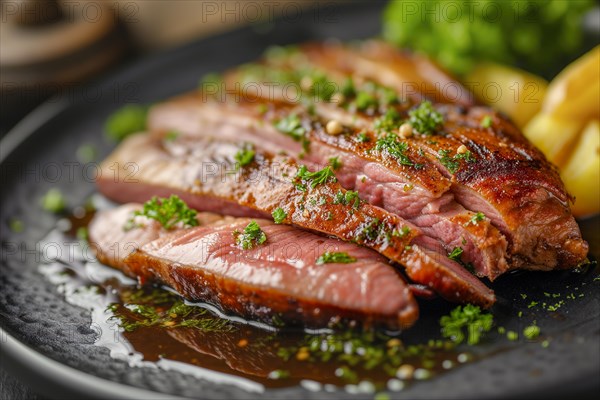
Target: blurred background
(538,61)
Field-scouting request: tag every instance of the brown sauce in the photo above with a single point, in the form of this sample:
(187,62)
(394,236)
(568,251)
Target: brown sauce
(150,325)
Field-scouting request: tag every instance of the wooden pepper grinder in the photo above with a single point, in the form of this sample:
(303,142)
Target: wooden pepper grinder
(50,47)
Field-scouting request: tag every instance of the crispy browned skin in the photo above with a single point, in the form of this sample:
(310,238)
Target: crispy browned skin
(197,171)
(511,181)
(280,278)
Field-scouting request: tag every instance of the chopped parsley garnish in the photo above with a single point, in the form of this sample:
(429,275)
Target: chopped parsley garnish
(322,88)
(335,257)
(292,127)
(404,231)
(53,201)
(455,254)
(390,144)
(279,374)
(125,121)
(335,163)
(314,178)
(389,121)
(348,198)
(447,161)
(374,230)
(347,88)
(245,155)
(469,318)
(365,100)
(363,138)
(82,233)
(532,304)
(86,153)
(160,308)
(425,119)
(168,212)
(16,225)
(531,332)
(479,216)
(452,163)
(171,136)
(279,215)
(387,96)
(467,156)
(252,236)
(486,122)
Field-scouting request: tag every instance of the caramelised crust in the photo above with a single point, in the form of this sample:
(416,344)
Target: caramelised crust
(421,195)
(510,180)
(279,278)
(202,172)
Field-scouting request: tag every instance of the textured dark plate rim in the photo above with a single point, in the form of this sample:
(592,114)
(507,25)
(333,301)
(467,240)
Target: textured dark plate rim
(40,371)
(45,373)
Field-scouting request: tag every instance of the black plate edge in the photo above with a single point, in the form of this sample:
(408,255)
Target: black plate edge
(43,373)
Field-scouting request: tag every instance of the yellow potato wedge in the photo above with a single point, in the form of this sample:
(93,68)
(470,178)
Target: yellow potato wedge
(517,93)
(581,172)
(553,136)
(575,92)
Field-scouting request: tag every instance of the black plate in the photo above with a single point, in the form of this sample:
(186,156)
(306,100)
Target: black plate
(49,341)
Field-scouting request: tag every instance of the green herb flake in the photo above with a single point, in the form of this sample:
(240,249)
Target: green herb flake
(363,138)
(252,236)
(452,162)
(279,374)
(16,225)
(348,89)
(486,122)
(388,122)
(381,396)
(532,304)
(335,257)
(425,119)
(53,201)
(125,121)
(402,232)
(316,178)
(391,145)
(478,217)
(82,233)
(344,372)
(365,100)
(322,88)
(172,135)
(512,336)
(531,332)
(350,197)
(168,212)
(469,318)
(245,155)
(86,153)
(159,308)
(455,254)
(291,126)
(279,215)
(335,163)
(447,161)
(467,156)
